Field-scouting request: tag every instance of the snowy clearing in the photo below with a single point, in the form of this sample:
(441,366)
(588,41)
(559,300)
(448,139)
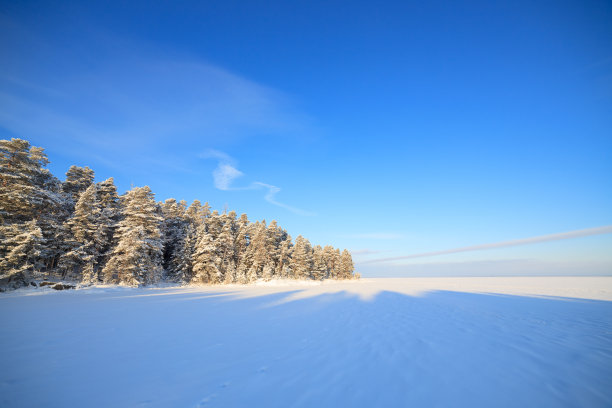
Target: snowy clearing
(520,342)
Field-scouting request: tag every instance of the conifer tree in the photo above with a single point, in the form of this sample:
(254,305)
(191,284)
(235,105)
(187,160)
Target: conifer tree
(84,238)
(195,220)
(182,259)
(301,261)
(268,272)
(319,266)
(286,249)
(328,259)
(174,232)
(55,210)
(22,167)
(335,261)
(20,247)
(214,224)
(274,236)
(241,242)
(28,191)
(242,274)
(137,258)
(205,260)
(256,252)
(78,179)
(346,265)
(225,243)
(230,273)
(89,232)
(110,214)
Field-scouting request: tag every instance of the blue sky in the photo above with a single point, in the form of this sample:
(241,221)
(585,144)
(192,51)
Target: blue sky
(390,128)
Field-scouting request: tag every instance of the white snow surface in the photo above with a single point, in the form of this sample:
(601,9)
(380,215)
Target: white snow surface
(422,342)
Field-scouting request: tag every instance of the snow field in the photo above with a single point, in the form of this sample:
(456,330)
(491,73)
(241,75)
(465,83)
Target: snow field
(376,342)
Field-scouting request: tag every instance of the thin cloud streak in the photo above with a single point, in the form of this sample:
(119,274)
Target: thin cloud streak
(216,154)
(271,198)
(525,241)
(375,235)
(226,172)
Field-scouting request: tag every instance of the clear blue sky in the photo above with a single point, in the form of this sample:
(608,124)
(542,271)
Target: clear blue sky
(390,128)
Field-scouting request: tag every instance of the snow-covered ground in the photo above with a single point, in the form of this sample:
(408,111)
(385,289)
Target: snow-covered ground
(447,342)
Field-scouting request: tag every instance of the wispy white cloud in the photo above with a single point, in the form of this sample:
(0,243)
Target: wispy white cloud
(205,103)
(216,154)
(226,172)
(134,101)
(223,176)
(524,241)
(375,235)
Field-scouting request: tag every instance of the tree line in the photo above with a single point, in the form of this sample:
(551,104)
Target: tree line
(82,231)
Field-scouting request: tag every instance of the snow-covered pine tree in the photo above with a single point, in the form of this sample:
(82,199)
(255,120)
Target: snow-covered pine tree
(110,214)
(335,261)
(252,275)
(240,244)
(256,251)
(174,232)
(137,258)
(205,260)
(56,209)
(182,259)
(274,235)
(319,266)
(107,195)
(230,273)
(268,272)
(88,233)
(28,191)
(84,238)
(246,257)
(301,261)
(329,256)
(214,224)
(346,265)
(78,179)
(20,246)
(242,274)
(225,243)
(195,218)
(21,169)
(286,249)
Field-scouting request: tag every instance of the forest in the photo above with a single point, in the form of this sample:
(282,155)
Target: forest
(81,231)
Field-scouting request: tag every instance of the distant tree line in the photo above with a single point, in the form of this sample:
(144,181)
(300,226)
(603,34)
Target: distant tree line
(83,231)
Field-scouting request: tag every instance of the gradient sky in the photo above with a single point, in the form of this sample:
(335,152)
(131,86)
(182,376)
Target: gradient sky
(389,128)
